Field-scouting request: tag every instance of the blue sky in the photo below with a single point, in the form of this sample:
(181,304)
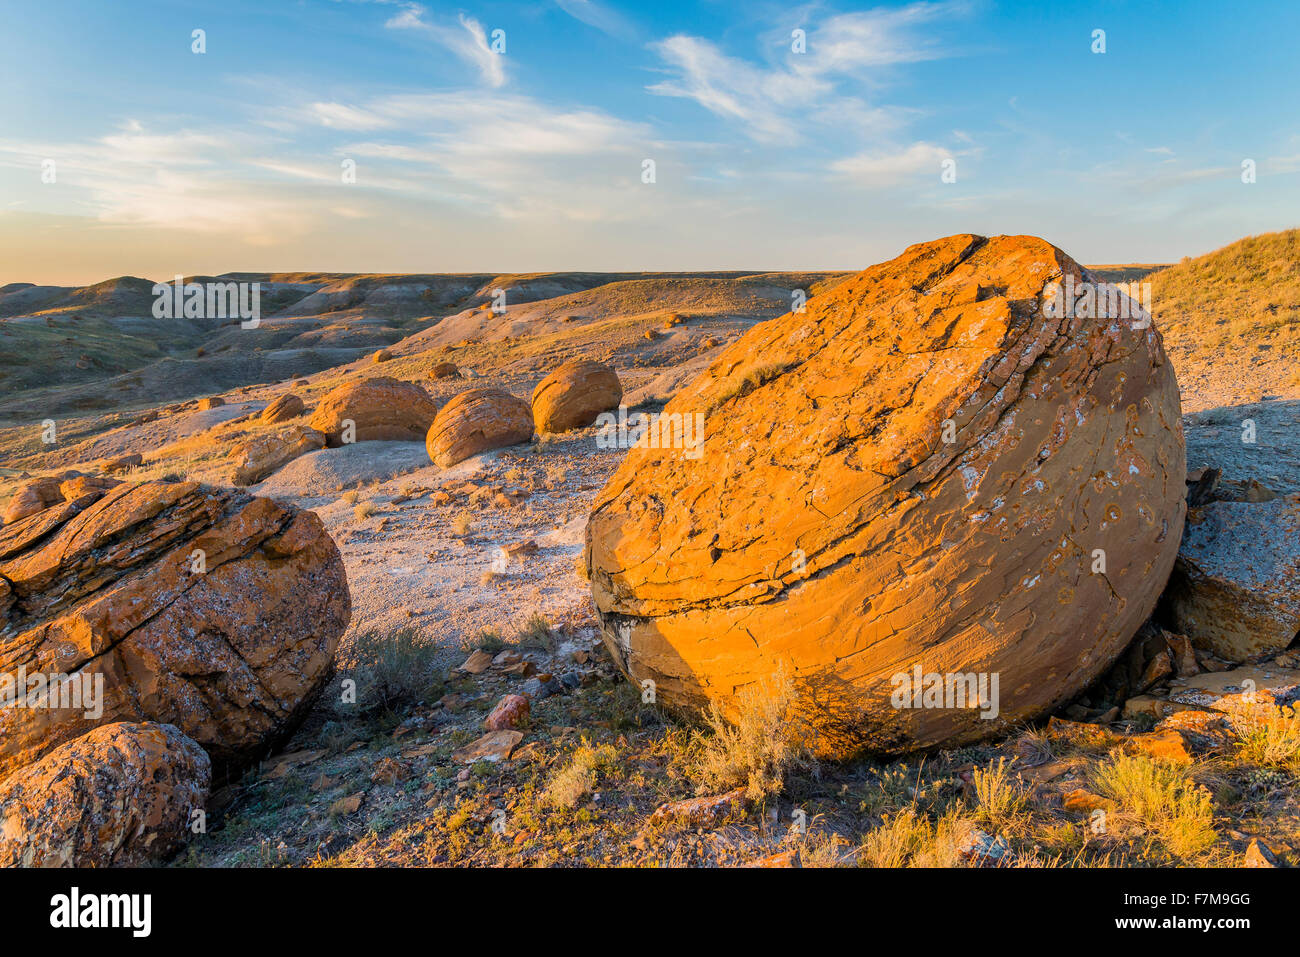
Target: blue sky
(166,160)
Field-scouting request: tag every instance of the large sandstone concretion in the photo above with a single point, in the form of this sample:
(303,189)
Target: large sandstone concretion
(1235,589)
(120,795)
(929,472)
(172,602)
(476,421)
(573,396)
(256,458)
(381,410)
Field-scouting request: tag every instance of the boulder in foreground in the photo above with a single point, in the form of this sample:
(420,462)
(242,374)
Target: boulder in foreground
(931,477)
(121,795)
(475,421)
(380,409)
(183,604)
(573,396)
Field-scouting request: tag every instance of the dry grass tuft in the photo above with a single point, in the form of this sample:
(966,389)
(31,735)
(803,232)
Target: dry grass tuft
(536,633)
(1170,806)
(578,777)
(766,742)
(1267,737)
(1000,800)
(487,639)
(392,668)
(909,839)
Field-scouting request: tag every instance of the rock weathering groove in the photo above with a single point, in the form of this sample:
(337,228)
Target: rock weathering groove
(928,471)
(195,606)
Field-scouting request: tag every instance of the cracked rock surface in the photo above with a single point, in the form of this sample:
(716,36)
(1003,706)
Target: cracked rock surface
(920,469)
(201,607)
(120,795)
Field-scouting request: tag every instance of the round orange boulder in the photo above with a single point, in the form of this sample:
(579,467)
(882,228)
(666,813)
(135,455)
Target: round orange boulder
(284,408)
(941,499)
(476,421)
(380,409)
(574,394)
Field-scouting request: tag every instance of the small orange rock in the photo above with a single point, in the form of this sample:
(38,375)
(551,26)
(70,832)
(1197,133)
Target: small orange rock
(510,712)
(1167,745)
(1081,801)
(347,805)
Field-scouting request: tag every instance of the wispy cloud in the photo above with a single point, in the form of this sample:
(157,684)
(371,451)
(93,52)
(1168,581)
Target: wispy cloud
(342,117)
(735,89)
(179,180)
(770,100)
(469,41)
(509,154)
(412,18)
(885,168)
(598,15)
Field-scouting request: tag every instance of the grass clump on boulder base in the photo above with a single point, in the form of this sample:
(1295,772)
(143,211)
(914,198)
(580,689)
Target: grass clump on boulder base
(766,742)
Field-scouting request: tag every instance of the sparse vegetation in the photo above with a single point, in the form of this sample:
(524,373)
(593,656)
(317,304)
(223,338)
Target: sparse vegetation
(578,777)
(1248,291)
(391,668)
(536,633)
(487,639)
(1267,738)
(766,741)
(910,839)
(742,383)
(1000,800)
(1162,799)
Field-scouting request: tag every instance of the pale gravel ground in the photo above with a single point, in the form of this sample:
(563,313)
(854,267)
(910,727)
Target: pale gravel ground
(1252,382)
(406,566)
